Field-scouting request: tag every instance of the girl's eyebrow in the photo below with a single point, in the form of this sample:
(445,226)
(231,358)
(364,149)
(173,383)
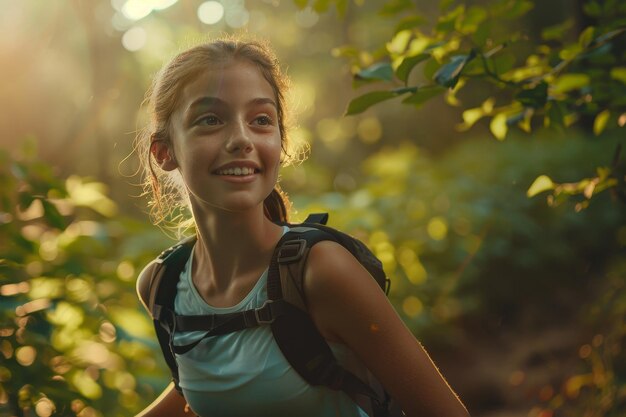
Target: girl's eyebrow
(205,101)
(263,100)
(209,101)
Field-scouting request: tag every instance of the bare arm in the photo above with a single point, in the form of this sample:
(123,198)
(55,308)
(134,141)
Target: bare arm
(170,403)
(348,306)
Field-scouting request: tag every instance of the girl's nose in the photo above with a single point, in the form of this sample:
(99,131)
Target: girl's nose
(239,139)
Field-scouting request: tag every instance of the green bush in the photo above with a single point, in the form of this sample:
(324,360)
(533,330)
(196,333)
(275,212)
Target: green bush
(73,338)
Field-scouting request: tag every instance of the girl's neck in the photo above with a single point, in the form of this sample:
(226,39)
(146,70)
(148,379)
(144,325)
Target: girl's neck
(232,245)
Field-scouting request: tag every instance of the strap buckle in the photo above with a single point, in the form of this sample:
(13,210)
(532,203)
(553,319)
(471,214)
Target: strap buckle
(266,311)
(291,251)
(164,316)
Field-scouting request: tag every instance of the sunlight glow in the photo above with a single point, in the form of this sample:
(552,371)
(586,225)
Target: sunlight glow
(138,9)
(307,18)
(210,12)
(162,4)
(369,130)
(134,39)
(237,18)
(437,228)
(412,306)
(26,355)
(44,407)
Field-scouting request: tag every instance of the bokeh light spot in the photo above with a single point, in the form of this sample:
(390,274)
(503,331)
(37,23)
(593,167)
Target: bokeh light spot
(416,273)
(44,407)
(210,12)
(136,9)
(307,18)
(369,130)
(162,4)
(516,378)
(107,332)
(437,228)
(237,18)
(26,355)
(412,306)
(134,39)
(585,351)
(126,271)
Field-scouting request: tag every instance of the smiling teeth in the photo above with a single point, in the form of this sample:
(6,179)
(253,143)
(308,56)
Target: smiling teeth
(236,171)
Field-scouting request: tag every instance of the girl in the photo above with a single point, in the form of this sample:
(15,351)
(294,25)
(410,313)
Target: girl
(218,139)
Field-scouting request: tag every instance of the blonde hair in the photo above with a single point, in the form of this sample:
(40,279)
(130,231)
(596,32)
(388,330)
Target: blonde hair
(168,201)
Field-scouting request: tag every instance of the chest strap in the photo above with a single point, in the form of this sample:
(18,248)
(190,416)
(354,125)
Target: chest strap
(216,324)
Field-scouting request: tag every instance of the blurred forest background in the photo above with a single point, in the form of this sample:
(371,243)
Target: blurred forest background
(479,158)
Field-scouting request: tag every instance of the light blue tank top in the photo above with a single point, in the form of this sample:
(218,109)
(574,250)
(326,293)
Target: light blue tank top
(244,374)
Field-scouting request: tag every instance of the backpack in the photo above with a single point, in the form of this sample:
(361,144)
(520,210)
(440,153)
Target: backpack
(284,311)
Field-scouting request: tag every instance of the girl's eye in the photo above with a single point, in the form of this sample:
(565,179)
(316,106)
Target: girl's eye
(210,120)
(263,120)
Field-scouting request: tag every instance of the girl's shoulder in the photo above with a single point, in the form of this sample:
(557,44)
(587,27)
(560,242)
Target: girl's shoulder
(144,282)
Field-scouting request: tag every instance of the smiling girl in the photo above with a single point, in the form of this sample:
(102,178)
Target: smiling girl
(216,143)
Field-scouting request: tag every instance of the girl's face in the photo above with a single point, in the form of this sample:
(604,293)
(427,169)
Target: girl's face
(225,138)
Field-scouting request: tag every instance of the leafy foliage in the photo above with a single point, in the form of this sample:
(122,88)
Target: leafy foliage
(467,213)
(471,256)
(72,337)
(521,81)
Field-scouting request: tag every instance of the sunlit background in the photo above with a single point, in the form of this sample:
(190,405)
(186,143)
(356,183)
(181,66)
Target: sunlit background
(520,304)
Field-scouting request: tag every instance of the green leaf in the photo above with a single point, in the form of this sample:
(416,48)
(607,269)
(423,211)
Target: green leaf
(569,82)
(25,200)
(422,95)
(599,124)
(471,116)
(518,9)
(399,42)
(404,90)
(345,51)
(592,9)
(378,71)
(557,32)
(52,215)
(498,126)
(556,114)
(396,6)
(447,23)
(586,36)
(362,103)
(535,97)
(542,183)
(449,74)
(619,74)
(472,20)
(410,22)
(570,52)
(408,63)
(430,68)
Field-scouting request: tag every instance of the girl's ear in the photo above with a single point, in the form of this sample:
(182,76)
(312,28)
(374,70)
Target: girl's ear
(162,153)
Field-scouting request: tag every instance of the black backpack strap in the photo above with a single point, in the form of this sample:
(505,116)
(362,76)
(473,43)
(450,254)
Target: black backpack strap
(295,333)
(162,293)
(319,218)
(218,324)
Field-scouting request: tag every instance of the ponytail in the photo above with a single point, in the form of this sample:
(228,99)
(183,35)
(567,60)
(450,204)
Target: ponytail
(275,206)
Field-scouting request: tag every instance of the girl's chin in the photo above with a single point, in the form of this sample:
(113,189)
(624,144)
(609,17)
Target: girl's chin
(235,205)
